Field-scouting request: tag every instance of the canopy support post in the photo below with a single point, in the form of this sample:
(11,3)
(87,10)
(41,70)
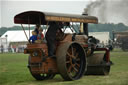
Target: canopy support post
(46,28)
(24,32)
(71,26)
(29,26)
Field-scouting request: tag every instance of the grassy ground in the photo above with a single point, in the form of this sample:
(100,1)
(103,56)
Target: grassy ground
(14,71)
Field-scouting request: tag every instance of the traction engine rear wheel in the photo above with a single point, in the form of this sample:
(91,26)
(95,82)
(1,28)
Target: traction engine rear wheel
(39,76)
(71,61)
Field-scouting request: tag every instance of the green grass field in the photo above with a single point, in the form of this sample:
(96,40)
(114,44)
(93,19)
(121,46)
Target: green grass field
(14,71)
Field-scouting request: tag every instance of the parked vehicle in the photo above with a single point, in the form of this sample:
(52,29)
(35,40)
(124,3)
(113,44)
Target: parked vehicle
(121,40)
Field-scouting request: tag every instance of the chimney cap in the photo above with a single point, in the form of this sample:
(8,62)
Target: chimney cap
(84,13)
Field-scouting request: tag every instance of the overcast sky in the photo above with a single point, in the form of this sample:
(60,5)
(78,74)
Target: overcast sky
(9,8)
(116,10)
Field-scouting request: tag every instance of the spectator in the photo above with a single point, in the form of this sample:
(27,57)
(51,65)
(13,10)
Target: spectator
(40,36)
(33,38)
(2,48)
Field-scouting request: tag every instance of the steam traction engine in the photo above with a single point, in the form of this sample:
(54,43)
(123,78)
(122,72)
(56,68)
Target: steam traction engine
(75,56)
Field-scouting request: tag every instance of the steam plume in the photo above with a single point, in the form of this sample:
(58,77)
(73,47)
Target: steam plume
(109,11)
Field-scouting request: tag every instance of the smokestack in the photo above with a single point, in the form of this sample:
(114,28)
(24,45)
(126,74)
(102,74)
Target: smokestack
(85,11)
(85,25)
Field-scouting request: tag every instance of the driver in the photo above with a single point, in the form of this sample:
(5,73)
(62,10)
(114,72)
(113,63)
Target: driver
(51,37)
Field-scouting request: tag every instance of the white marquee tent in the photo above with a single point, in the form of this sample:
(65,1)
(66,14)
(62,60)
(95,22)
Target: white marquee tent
(102,36)
(16,36)
(14,39)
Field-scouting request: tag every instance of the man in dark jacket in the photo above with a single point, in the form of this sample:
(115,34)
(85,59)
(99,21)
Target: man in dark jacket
(51,37)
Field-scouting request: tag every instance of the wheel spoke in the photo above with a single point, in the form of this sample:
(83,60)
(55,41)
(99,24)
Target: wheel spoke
(70,55)
(75,69)
(70,68)
(74,52)
(77,64)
